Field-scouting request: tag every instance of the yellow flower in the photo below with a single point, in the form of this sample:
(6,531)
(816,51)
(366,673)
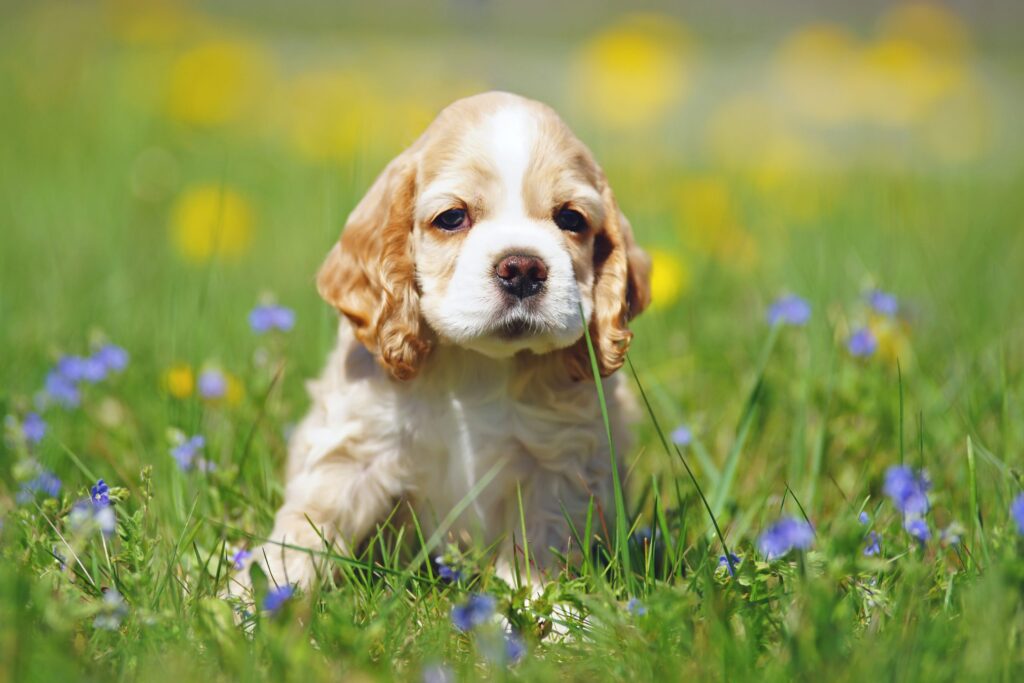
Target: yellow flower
(929,25)
(893,337)
(329,113)
(632,73)
(235,391)
(217,82)
(179,381)
(710,223)
(669,278)
(816,70)
(211,221)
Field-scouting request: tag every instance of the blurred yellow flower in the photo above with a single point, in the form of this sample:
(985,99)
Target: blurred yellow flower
(816,69)
(179,381)
(710,224)
(961,129)
(633,72)
(893,337)
(928,24)
(329,113)
(899,81)
(211,221)
(217,82)
(670,278)
(146,22)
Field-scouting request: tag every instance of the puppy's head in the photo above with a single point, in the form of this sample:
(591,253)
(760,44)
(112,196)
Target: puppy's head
(490,232)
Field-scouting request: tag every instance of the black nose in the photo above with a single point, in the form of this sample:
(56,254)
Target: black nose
(521,275)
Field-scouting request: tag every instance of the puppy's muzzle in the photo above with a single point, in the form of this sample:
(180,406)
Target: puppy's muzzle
(521,275)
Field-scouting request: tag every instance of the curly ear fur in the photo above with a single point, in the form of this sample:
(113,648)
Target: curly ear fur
(622,290)
(369,274)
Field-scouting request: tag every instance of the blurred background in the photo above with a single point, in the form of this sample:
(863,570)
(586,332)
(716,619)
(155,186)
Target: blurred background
(166,165)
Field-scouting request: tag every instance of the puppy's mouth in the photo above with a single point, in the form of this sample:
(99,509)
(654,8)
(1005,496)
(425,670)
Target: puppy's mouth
(517,324)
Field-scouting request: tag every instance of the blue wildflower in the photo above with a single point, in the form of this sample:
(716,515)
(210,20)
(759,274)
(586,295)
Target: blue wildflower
(863,518)
(277,597)
(239,559)
(1017,513)
(790,310)
(61,560)
(636,608)
(263,319)
(112,357)
(477,609)
(724,561)
(93,370)
(883,302)
(114,610)
(515,648)
(71,368)
(33,428)
(45,482)
(783,536)
(100,494)
(445,572)
(862,343)
(61,389)
(907,489)
(682,436)
(212,384)
(437,673)
(874,544)
(918,528)
(185,452)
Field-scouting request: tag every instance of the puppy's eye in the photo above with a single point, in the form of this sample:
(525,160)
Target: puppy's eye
(452,219)
(572,221)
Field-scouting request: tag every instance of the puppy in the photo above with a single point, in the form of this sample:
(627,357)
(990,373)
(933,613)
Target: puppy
(461,381)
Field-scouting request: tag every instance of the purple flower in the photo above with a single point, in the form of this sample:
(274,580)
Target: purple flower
(907,489)
(724,561)
(33,428)
(45,482)
(477,609)
(862,343)
(1017,513)
(790,310)
(100,494)
(93,370)
(883,302)
(636,608)
(783,536)
(863,518)
(437,673)
(185,452)
(112,357)
(86,513)
(918,528)
(114,611)
(277,597)
(873,547)
(682,436)
(71,368)
(262,319)
(239,559)
(62,389)
(515,648)
(445,572)
(212,384)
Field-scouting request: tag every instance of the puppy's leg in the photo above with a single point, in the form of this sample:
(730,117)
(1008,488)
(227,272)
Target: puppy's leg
(328,506)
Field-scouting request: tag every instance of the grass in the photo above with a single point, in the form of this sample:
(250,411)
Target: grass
(785,423)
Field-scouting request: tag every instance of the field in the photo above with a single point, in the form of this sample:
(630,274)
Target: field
(833,203)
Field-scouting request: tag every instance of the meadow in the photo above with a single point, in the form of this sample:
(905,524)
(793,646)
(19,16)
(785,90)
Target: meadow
(827,481)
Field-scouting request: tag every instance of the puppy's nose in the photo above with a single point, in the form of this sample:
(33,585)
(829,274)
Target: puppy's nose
(521,275)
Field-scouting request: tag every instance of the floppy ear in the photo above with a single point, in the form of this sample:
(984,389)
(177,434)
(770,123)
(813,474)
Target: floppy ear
(369,274)
(622,290)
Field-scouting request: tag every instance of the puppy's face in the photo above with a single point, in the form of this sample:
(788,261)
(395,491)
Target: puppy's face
(495,229)
(502,239)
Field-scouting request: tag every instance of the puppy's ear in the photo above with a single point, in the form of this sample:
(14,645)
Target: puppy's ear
(622,290)
(370,277)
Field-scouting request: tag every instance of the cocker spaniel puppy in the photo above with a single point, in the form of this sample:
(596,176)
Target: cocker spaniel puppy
(461,379)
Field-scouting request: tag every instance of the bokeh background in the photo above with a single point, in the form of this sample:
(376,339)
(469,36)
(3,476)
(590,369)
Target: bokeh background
(166,165)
